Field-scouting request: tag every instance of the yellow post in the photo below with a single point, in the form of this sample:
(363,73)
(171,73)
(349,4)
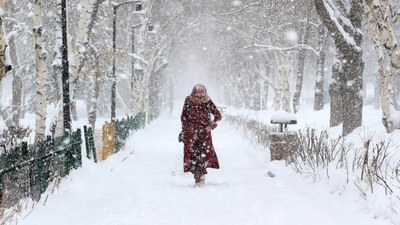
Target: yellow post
(108,140)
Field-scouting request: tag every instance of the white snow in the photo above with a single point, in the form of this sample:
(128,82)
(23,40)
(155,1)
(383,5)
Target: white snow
(144,184)
(282,116)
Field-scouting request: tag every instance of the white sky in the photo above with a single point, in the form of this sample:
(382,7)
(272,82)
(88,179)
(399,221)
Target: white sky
(144,184)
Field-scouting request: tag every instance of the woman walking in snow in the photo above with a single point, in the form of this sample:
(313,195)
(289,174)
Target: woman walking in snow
(197,123)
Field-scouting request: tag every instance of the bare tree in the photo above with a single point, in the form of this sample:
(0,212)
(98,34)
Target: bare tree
(95,57)
(382,18)
(94,94)
(15,62)
(41,72)
(57,126)
(3,65)
(285,85)
(344,25)
(78,49)
(319,81)
(300,62)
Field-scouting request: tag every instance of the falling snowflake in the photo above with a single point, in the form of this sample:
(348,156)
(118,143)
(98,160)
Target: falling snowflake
(292,36)
(236,3)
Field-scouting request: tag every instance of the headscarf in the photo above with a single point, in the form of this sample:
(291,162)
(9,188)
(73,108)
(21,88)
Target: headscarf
(199,90)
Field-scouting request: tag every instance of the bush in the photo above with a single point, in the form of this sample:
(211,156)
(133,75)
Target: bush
(370,167)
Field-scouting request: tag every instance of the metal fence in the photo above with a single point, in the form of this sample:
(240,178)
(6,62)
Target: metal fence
(123,128)
(89,143)
(26,171)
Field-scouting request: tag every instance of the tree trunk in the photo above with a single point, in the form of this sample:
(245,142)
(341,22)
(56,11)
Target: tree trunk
(16,85)
(93,15)
(319,83)
(299,80)
(285,84)
(352,94)
(136,105)
(384,94)
(95,92)
(145,55)
(41,72)
(335,94)
(300,68)
(278,88)
(347,36)
(396,90)
(57,71)
(79,51)
(265,95)
(381,14)
(380,23)
(2,46)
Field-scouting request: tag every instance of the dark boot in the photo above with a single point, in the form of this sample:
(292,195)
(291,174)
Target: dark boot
(197,178)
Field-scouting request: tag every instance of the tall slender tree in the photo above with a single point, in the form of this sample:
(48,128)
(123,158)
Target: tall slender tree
(58,125)
(381,19)
(300,61)
(78,49)
(2,44)
(15,62)
(319,81)
(41,71)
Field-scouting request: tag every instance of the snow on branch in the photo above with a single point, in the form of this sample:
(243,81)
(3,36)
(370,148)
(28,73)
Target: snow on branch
(135,56)
(266,47)
(341,22)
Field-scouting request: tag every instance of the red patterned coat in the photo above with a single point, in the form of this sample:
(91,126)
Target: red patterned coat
(198,115)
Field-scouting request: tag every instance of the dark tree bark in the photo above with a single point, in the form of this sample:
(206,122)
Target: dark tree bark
(335,91)
(347,38)
(319,84)
(299,80)
(300,67)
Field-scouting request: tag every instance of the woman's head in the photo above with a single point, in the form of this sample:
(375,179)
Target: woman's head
(199,93)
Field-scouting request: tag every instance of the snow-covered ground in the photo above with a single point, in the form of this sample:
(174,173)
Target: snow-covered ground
(144,184)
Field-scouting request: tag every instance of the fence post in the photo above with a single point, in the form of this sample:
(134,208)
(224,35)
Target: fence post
(76,146)
(92,145)
(108,140)
(118,132)
(66,145)
(86,134)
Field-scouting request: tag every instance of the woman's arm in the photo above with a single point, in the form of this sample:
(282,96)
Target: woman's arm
(184,113)
(214,110)
(217,115)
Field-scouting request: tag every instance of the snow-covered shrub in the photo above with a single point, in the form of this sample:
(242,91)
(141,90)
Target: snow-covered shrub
(315,151)
(369,169)
(255,131)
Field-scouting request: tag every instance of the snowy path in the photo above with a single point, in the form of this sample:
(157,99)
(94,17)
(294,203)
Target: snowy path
(144,184)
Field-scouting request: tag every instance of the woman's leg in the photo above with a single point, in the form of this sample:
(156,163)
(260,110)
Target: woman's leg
(197,166)
(197,177)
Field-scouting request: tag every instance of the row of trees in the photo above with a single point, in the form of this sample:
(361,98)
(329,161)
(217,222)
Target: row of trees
(32,44)
(284,45)
(255,48)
